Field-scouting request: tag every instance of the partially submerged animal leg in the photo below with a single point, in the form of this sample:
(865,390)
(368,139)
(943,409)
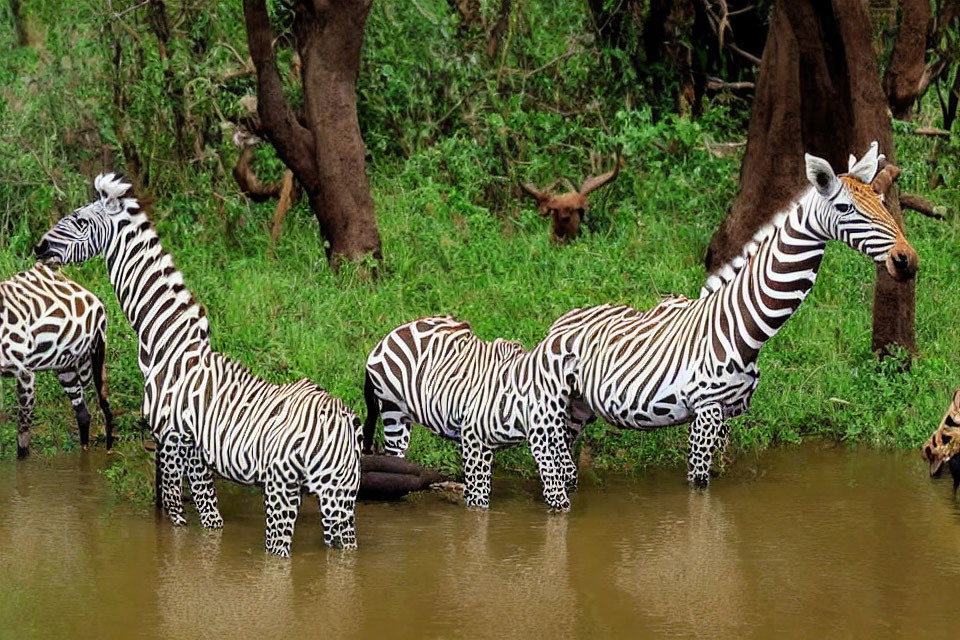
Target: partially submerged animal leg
(337,502)
(477,470)
(26,395)
(282,501)
(550,451)
(706,432)
(201,488)
(171,477)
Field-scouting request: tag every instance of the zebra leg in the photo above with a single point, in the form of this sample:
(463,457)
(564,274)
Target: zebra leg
(171,477)
(337,511)
(282,501)
(706,432)
(72,385)
(201,488)
(477,470)
(26,395)
(549,449)
(396,429)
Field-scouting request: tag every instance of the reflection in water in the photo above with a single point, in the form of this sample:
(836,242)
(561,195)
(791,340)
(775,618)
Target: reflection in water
(507,581)
(803,541)
(202,591)
(685,568)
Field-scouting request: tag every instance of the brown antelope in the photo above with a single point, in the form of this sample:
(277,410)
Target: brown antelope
(568,209)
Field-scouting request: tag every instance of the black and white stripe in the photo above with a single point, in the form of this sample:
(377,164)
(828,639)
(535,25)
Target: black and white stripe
(696,360)
(206,411)
(434,371)
(50,323)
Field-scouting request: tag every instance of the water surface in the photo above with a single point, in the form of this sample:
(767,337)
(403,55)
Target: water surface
(803,541)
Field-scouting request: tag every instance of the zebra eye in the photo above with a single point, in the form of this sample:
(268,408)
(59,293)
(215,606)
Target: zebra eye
(844,207)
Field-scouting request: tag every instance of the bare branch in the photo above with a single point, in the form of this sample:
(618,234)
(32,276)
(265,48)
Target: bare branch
(920,204)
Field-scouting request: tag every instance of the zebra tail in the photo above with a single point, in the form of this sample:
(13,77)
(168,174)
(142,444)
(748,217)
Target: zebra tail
(373,412)
(99,362)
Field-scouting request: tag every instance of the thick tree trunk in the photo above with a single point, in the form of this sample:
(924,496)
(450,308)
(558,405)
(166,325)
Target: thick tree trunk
(903,82)
(324,149)
(818,92)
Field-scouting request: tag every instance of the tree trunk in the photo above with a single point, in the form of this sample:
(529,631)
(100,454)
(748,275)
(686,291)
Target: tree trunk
(19,23)
(818,92)
(324,149)
(904,78)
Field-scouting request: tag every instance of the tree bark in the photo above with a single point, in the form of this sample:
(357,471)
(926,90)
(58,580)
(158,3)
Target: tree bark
(324,149)
(903,81)
(818,92)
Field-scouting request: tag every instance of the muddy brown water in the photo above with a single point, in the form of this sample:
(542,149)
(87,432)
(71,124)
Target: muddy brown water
(811,541)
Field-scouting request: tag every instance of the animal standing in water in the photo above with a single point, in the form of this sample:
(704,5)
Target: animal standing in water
(944,443)
(436,372)
(206,411)
(696,360)
(50,323)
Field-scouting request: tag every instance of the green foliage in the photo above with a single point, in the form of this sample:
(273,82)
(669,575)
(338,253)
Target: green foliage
(451,133)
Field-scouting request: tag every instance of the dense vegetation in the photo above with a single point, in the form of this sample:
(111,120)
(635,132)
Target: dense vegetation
(450,133)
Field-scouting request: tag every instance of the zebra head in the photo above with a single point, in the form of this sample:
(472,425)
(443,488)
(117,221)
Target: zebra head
(85,232)
(854,212)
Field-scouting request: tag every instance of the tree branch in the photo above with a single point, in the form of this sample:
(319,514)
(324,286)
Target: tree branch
(919,204)
(293,142)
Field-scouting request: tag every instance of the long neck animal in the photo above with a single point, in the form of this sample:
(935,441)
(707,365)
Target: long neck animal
(696,359)
(208,412)
(149,288)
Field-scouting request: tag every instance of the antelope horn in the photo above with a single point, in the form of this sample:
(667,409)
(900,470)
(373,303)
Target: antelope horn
(592,184)
(531,188)
(884,178)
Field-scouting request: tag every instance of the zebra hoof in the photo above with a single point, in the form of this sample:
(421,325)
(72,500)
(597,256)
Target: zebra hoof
(85,447)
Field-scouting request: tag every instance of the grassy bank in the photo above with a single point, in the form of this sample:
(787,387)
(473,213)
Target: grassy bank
(458,240)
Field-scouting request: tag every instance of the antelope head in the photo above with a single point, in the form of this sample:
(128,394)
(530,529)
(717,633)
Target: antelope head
(568,209)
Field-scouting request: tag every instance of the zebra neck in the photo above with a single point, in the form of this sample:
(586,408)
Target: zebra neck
(150,290)
(774,281)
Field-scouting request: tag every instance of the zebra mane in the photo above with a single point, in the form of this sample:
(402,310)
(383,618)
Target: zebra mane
(727,272)
(113,186)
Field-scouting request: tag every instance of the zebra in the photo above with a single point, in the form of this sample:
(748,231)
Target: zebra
(206,411)
(488,395)
(50,323)
(696,360)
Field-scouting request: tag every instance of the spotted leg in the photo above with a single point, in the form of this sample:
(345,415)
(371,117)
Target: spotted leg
(201,488)
(26,395)
(337,512)
(171,476)
(282,501)
(549,449)
(396,429)
(477,470)
(73,387)
(706,433)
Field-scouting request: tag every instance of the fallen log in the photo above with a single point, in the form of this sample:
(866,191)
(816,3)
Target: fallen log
(391,477)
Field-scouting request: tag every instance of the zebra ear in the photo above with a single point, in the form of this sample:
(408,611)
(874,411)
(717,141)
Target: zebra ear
(851,162)
(821,175)
(112,188)
(865,169)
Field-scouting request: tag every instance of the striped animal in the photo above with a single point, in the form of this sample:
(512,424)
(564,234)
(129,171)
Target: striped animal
(436,372)
(206,411)
(696,360)
(50,323)
(944,444)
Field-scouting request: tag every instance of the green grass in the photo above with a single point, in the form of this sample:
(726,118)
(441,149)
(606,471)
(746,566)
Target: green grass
(458,238)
